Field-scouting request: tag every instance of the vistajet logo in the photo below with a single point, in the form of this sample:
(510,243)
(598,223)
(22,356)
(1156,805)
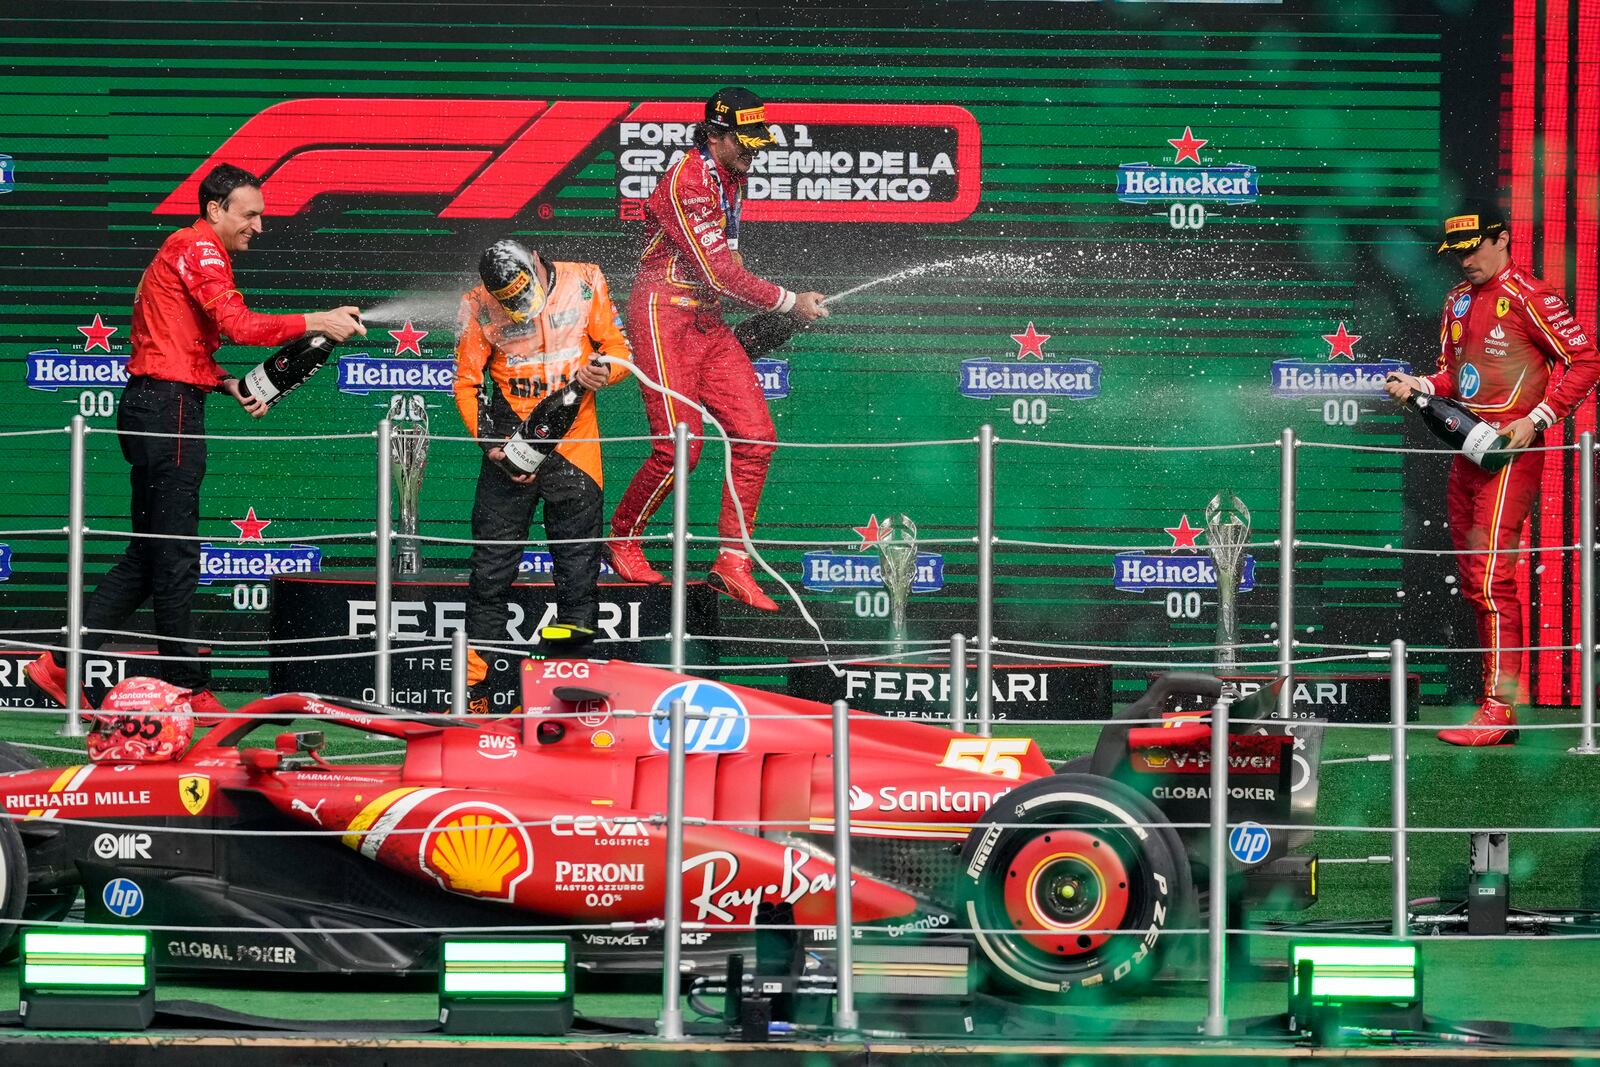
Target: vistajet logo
(827,571)
(360,374)
(773,374)
(1077,379)
(1301,377)
(1134,572)
(256,564)
(50,369)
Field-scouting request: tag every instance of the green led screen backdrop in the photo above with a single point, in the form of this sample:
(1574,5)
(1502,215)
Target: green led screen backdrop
(1166,227)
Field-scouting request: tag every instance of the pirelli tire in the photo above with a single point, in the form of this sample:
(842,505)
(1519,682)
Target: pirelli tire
(13,881)
(1059,858)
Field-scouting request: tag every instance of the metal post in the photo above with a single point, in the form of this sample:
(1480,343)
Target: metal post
(985,577)
(1286,472)
(958,681)
(844,1012)
(458,672)
(670,1027)
(1397,776)
(680,542)
(1586,592)
(1216,992)
(76,471)
(382,592)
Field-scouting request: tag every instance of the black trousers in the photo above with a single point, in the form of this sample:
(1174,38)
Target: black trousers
(502,511)
(165,477)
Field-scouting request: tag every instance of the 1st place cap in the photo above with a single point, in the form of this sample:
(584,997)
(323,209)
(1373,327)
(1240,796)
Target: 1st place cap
(1466,229)
(738,109)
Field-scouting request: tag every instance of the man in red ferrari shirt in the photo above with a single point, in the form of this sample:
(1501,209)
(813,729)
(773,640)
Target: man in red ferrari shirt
(186,302)
(1513,353)
(690,263)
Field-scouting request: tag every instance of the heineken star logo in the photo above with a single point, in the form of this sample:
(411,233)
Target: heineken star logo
(1184,535)
(1341,343)
(408,339)
(97,335)
(1030,342)
(1188,146)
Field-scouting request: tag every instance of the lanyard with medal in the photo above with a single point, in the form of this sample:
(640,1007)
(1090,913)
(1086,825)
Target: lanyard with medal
(730,209)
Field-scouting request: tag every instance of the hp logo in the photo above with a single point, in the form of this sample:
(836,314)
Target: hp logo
(1467,381)
(123,898)
(1250,842)
(725,727)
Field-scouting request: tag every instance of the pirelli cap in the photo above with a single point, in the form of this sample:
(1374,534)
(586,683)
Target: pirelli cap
(738,109)
(1466,229)
(508,273)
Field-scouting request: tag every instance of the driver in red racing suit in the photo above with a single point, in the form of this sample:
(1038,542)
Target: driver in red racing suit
(689,264)
(1512,352)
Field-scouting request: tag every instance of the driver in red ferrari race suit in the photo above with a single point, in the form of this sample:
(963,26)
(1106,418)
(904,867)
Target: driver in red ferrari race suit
(690,264)
(1513,353)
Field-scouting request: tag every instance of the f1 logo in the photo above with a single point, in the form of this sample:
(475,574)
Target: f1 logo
(494,155)
(493,158)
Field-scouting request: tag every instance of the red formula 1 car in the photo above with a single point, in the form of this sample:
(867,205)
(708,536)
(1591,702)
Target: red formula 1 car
(554,818)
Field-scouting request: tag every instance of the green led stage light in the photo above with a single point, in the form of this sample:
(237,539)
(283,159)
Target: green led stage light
(1354,984)
(86,980)
(505,985)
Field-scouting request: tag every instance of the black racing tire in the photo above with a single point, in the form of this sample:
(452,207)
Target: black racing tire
(1073,852)
(1075,765)
(17,758)
(13,881)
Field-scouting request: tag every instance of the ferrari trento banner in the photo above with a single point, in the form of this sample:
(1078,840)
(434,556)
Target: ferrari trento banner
(1166,229)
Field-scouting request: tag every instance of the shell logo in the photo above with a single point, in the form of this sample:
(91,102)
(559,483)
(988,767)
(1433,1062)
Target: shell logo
(477,849)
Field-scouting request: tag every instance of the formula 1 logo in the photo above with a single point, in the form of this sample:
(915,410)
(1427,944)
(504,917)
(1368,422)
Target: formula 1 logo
(494,158)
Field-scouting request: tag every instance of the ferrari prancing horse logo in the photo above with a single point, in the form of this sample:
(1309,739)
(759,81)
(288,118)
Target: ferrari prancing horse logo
(195,791)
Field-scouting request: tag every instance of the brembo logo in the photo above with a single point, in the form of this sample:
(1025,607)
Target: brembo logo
(493,158)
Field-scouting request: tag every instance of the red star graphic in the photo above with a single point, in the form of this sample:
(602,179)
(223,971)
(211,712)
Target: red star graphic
(1188,145)
(1030,342)
(1183,534)
(1342,343)
(868,533)
(97,336)
(250,527)
(408,339)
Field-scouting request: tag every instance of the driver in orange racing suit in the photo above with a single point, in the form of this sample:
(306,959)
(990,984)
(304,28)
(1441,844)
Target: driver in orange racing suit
(534,326)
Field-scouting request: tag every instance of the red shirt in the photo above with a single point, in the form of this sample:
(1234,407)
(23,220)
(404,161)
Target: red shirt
(1511,347)
(691,234)
(186,302)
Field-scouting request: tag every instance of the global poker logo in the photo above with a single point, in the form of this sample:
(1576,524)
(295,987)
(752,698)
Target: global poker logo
(1075,379)
(360,372)
(827,571)
(1144,183)
(1302,377)
(1136,572)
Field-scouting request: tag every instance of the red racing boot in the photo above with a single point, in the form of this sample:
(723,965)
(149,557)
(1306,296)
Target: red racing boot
(731,575)
(628,560)
(1494,724)
(45,675)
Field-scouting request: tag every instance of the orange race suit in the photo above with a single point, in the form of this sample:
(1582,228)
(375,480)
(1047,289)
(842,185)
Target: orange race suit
(526,362)
(1508,348)
(689,265)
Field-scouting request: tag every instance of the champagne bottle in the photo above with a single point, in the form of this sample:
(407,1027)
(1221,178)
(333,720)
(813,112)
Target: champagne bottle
(766,332)
(543,429)
(1462,430)
(287,369)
